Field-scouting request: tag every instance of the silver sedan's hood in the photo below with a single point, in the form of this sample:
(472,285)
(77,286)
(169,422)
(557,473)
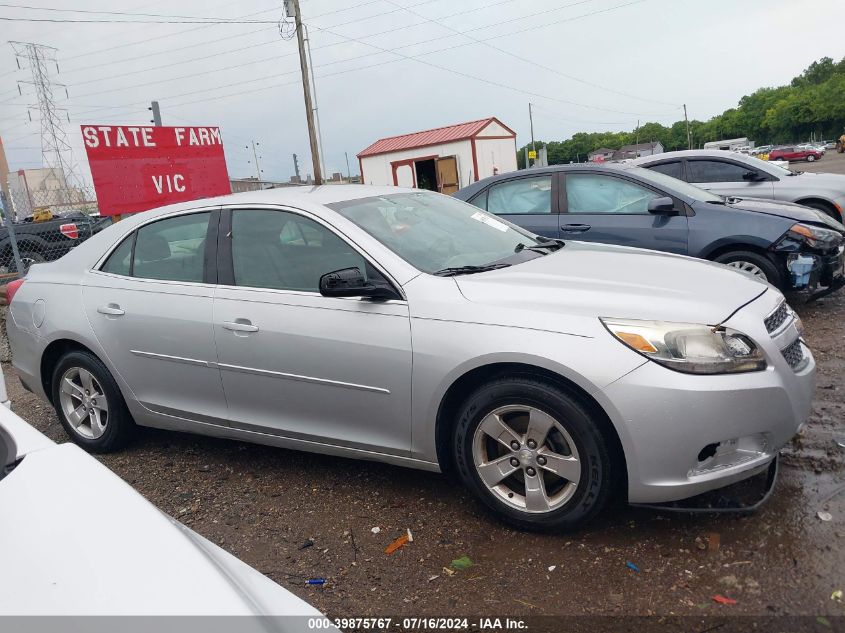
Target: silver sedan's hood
(75,539)
(597,280)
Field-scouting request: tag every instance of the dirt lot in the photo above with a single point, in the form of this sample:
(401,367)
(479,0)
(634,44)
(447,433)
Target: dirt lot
(263,504)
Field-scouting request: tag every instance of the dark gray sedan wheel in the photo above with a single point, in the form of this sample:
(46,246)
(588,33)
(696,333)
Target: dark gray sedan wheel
(533,454)
(754,265)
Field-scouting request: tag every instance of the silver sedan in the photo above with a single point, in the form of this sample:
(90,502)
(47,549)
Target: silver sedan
(411,328)
(734,174)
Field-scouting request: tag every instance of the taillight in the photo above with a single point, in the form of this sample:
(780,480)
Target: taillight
(70,230)
(11,288)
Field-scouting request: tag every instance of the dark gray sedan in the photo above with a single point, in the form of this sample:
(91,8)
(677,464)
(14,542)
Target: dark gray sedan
(791,246)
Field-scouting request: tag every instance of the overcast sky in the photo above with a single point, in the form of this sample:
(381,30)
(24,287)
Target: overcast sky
(387,67)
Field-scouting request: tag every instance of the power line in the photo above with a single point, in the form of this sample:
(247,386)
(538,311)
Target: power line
(529,61)
(164,19)
(171,64)
(84,21)
(172,50)
(490,81)
(147,40)
(159,15)
(401,57)
(89,12)
(415,58)
(359,40)
(206,57)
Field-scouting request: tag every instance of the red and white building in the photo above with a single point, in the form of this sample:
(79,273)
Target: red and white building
(443,159)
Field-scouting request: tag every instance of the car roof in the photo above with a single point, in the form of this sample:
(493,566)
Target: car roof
(470,190)
(298,196)
(691,153)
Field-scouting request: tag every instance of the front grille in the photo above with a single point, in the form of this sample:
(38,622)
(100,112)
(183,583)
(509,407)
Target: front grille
(793,353)
(777,318)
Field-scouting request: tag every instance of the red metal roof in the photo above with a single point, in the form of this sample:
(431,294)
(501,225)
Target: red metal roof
(458,132)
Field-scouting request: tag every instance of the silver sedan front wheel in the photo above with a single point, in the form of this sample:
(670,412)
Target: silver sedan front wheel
(526,458)
(84,403)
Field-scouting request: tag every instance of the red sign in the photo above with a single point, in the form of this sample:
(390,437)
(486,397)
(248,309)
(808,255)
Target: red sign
(136,168)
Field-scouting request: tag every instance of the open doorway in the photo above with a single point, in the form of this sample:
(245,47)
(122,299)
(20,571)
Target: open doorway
(426,174)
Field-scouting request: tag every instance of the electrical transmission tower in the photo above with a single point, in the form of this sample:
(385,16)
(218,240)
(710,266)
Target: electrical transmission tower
(56,150)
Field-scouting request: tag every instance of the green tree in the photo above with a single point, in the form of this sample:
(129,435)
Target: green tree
(812,104)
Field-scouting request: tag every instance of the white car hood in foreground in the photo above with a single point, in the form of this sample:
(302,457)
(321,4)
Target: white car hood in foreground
(77,540)
(597,280)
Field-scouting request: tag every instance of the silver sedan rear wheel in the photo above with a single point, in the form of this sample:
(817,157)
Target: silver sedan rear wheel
(749,268)
(526,458)
(84,403)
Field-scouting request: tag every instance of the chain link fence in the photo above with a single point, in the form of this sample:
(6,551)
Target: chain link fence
(41,225)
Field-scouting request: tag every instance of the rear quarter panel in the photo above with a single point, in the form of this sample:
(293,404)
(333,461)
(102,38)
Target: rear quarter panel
(42,312)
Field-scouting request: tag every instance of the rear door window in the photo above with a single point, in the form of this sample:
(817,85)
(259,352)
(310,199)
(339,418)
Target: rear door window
(521,196)
(675,169)
(715,171)
(120,261)
(172,249)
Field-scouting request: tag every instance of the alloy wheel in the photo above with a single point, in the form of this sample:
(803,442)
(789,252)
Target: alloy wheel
(748,268)
(84,403)
(526,458)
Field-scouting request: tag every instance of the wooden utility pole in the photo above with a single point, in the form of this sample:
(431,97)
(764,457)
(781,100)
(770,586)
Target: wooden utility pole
(689,136)
(306,89)
(637,142)
(533,146)
(156,120)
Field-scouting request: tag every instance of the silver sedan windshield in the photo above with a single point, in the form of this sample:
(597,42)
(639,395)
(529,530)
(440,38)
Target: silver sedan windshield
(434,232)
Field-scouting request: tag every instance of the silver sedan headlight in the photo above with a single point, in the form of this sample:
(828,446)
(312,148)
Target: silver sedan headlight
(691,348)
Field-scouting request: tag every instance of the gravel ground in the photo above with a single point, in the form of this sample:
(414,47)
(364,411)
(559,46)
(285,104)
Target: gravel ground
(264,504)
(832,163)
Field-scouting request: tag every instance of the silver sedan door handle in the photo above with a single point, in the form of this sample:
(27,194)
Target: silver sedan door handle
(240,325)
(111,309)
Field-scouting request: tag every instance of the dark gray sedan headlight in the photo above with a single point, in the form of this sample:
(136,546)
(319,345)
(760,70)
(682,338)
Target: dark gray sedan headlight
(691,348)
(816,236)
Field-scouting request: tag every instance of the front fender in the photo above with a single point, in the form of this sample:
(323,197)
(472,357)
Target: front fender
(445,351)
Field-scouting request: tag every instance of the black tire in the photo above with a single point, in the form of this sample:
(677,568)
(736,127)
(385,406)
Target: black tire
(825,207)
(119,426)
(811,158)
(28,258)
(767,266)
(597,470)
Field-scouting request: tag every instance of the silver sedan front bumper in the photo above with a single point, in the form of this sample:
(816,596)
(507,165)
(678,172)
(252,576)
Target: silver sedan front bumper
(687,434)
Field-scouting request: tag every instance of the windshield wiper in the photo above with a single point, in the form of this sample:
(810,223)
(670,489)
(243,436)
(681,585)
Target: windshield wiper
(549,243)
(467,270)
(549,240)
